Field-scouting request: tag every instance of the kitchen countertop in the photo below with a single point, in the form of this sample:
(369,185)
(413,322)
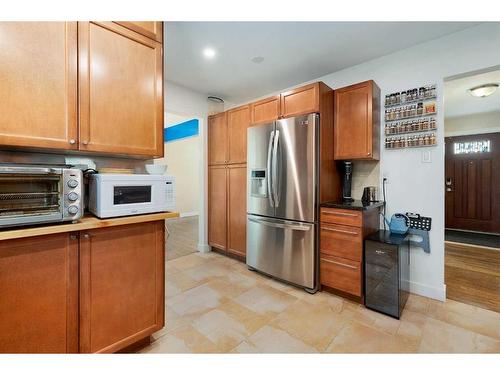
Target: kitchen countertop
(87,222)
(354,205)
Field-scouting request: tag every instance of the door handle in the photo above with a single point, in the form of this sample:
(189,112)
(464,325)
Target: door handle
(269,173)
(275,181)
(304,228)
(339,264)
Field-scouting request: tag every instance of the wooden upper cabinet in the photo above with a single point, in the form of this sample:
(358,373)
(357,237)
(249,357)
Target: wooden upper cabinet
(151,29)
(238,120)
(357,122)
(121,90)
(122,284)
(217,139)
(38,90)
(237,210)
(39,294)
(299,101)
(264,111)
(217,206)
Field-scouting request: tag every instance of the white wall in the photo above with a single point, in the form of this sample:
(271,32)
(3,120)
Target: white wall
(184,102)
(413,185)
(478,123)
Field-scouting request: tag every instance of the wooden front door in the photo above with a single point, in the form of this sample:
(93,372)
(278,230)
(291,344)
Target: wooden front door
(472,183)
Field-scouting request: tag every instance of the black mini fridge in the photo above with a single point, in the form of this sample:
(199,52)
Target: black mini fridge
(387,272)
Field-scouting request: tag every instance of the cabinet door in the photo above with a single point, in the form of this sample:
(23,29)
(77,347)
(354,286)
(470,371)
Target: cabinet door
(39,294)
(217,207)
(237,210)
(121,285)
(151,29)
(38,90)
(265,111)
(356,122)
(121,90)
(300,101)
(217,139)
(238,120)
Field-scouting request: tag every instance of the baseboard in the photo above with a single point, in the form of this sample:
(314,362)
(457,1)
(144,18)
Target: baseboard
(428,291)
(187,214)
(203,248)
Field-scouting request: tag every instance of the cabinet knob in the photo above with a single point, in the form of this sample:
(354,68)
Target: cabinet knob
(86,235)
(72,141)
(85,142)
(368,153)
(73,237)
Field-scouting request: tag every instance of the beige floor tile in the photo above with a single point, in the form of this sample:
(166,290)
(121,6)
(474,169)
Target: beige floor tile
(206,271)
(232,284)
(417,303)
(263,299)
(184,340)
(196,301)
(484,322)
(178,283)
(315,324)
(484,344)
(245,348)
(359,338)
(273,340)
(186,262)
(411,324)
(441,337)
(220,328)
(251,320)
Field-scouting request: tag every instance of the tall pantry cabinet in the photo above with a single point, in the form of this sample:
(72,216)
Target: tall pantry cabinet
(227,141)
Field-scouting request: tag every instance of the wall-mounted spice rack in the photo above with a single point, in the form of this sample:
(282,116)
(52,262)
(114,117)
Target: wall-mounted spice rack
(411,111)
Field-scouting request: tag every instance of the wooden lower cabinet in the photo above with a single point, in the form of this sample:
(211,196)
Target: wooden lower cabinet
(237,210)
(217,206)
(342,233)
(39,294)
(121,285)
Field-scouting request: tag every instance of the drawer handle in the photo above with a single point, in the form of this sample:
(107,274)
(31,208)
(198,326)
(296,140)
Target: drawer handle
(338,214)
(339,264)
(339,230)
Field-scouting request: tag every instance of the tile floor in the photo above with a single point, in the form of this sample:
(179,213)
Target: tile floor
(215,305)
(183,236)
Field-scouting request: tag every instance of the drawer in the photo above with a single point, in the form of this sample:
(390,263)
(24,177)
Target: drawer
(341,241)
(342,274)
(343,217)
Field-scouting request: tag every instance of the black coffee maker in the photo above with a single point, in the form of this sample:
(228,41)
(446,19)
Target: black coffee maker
(347,182)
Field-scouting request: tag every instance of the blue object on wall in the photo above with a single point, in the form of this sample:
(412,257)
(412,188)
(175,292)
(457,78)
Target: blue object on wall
(180,131)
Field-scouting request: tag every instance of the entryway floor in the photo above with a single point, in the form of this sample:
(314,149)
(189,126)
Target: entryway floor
(472,275)
(182,237)
(480,239)
(214,304)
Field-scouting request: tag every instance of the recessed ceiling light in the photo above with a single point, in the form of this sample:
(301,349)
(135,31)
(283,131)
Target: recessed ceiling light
(209,53)
(483,90)
(257,59)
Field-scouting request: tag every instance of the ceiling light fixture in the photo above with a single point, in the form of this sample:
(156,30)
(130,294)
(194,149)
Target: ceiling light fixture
(483,90)
(209,53)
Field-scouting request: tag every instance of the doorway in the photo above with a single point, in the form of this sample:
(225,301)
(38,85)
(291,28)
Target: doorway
(472,189)
(182,156)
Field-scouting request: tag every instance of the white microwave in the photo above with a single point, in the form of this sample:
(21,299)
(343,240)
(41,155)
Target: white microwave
(113,195)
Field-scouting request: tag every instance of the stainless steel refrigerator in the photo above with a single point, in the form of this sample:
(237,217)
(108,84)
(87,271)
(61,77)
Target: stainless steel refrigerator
(282,200)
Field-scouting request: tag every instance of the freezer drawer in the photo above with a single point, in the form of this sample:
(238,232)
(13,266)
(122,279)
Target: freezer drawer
(283,249)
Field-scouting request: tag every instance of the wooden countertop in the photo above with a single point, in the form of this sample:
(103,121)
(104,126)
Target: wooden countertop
(86,223)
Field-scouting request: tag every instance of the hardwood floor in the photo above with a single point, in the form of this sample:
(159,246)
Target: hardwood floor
(183,236)
(472,275)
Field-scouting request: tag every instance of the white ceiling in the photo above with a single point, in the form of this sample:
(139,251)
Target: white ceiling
(294,52)
(459,102)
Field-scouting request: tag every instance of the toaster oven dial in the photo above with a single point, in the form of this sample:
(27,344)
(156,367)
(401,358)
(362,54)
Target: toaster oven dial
(72,196)
(72,183)
(73,210)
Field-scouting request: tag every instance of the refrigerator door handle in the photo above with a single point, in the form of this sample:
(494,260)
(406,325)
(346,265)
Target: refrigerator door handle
(269,176)
(275,181)
(304,228)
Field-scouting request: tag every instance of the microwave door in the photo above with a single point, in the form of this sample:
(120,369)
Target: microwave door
(260,140)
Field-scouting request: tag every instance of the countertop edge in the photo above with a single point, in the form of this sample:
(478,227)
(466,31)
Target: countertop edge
(344,206)
(86,223)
